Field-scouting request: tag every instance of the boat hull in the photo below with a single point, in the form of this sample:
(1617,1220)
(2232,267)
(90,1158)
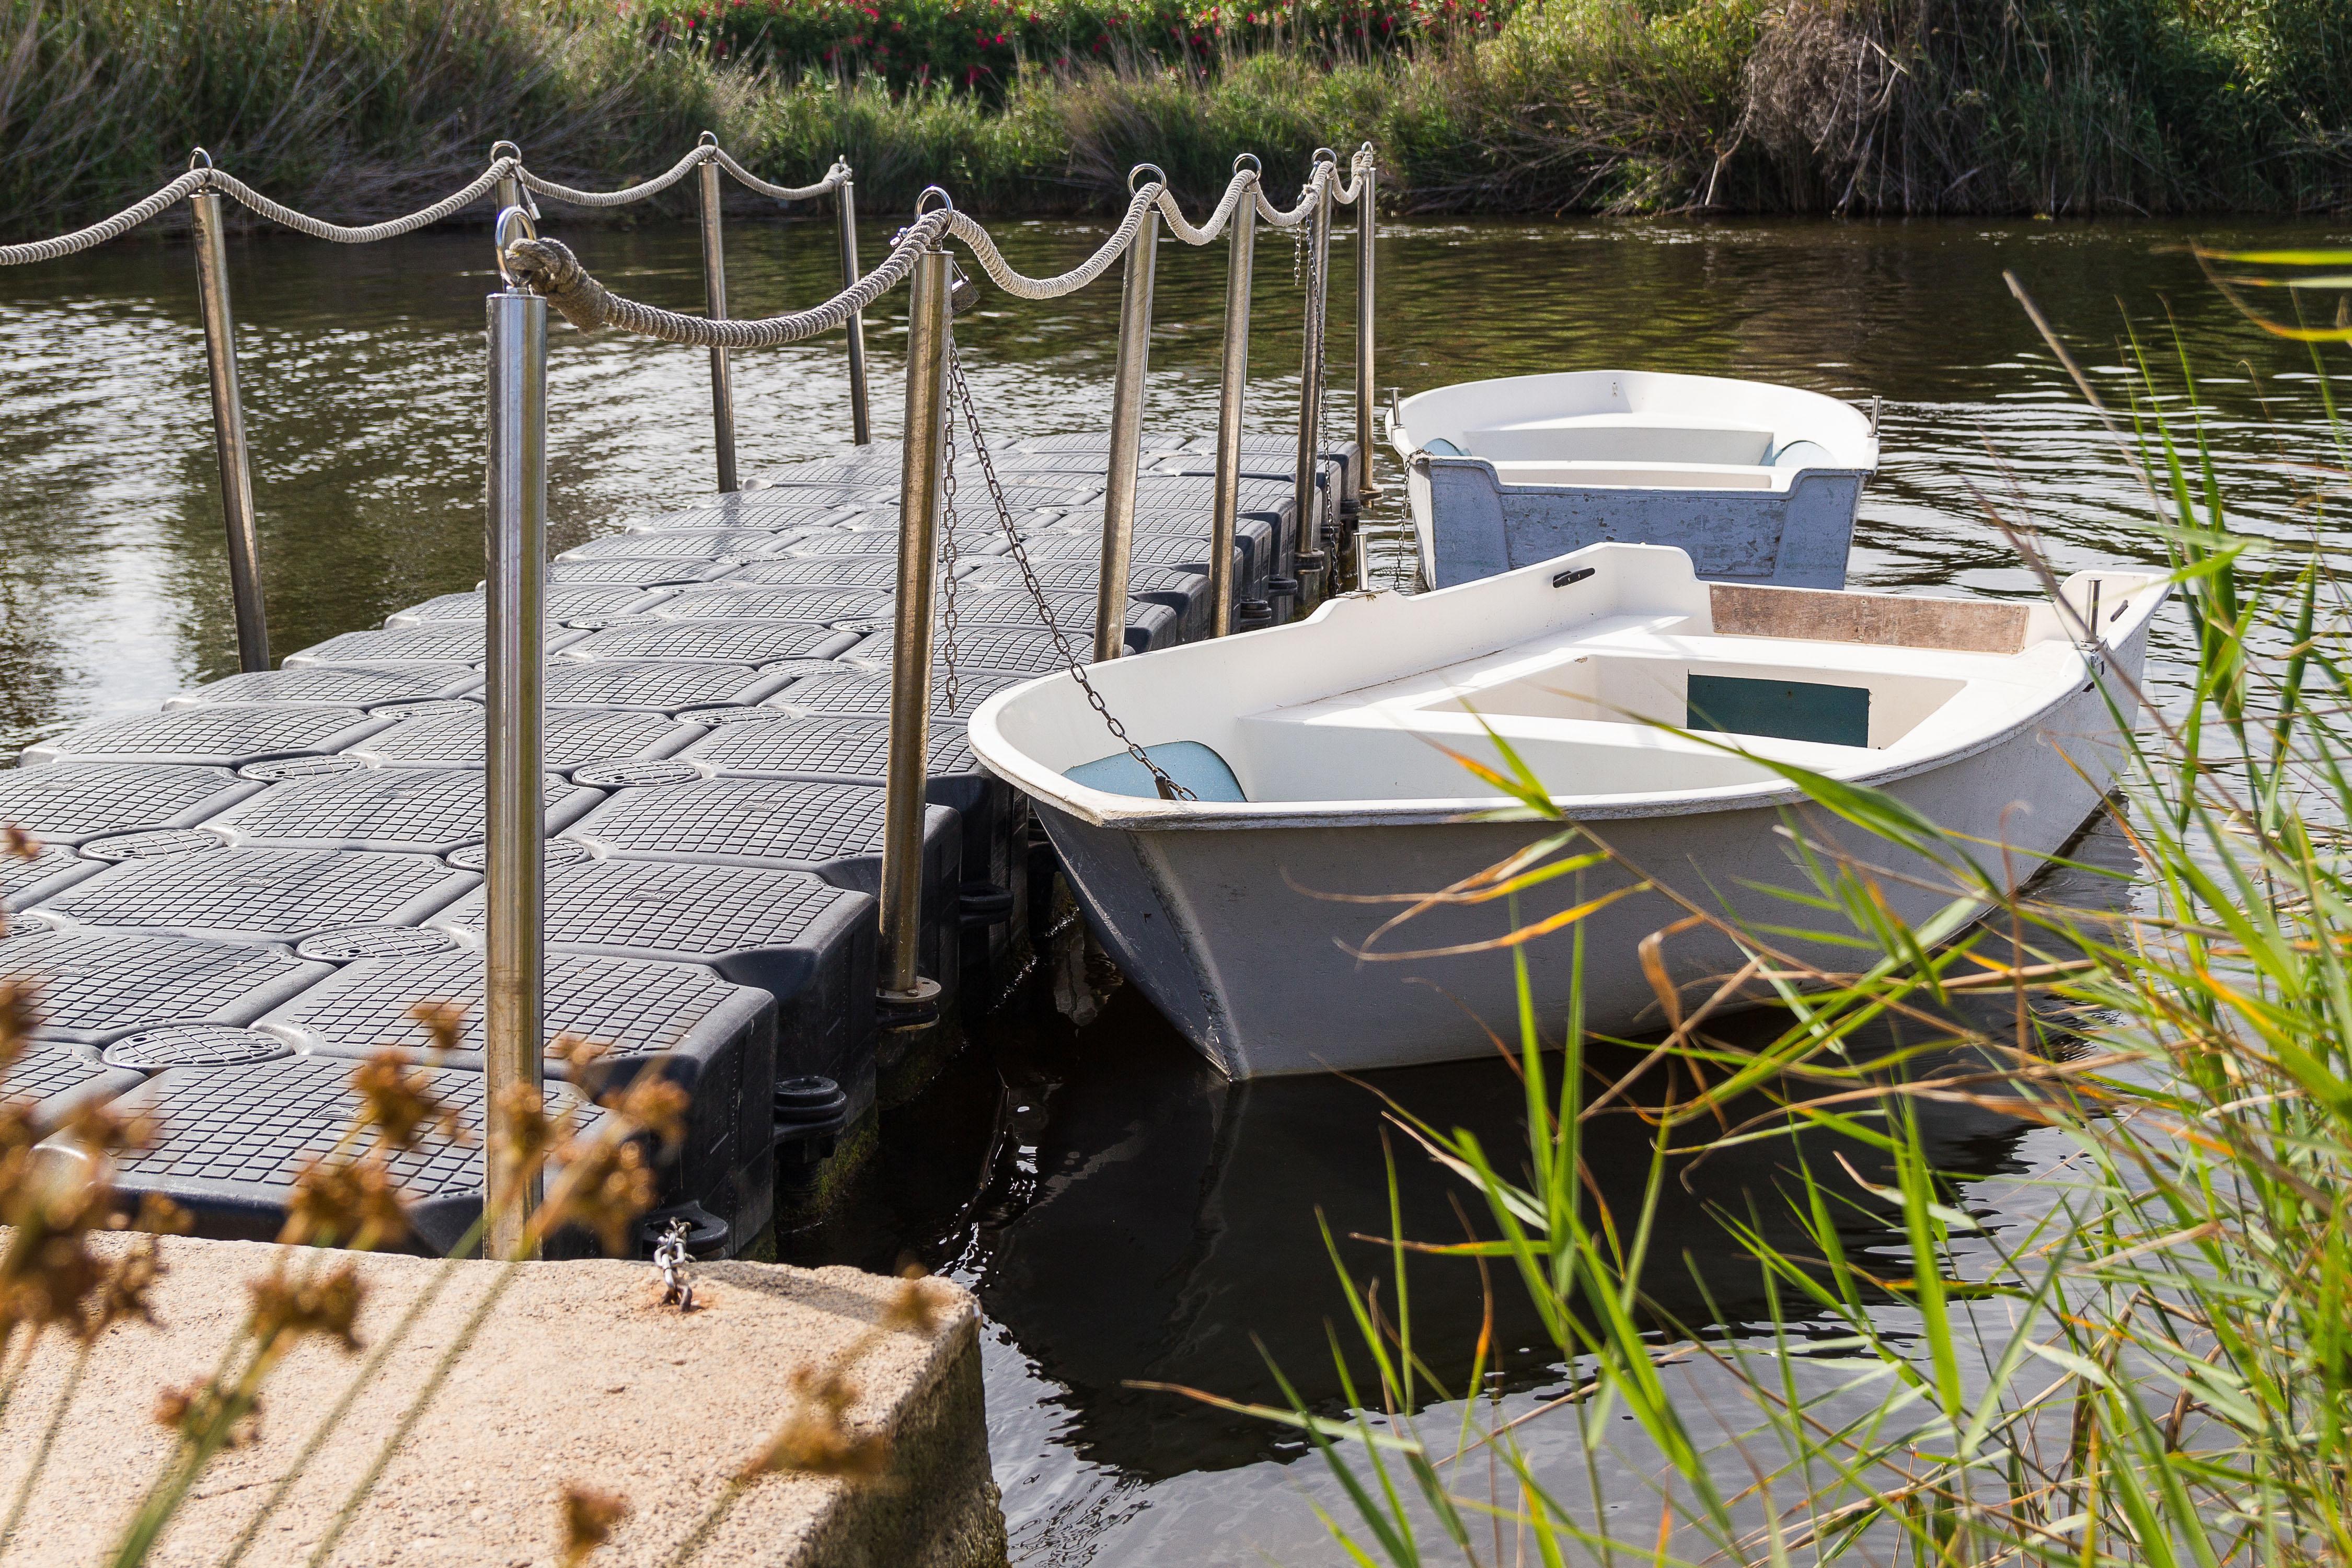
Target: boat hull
(1240,938)
(1471,525)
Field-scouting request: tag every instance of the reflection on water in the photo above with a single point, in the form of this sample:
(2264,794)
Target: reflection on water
(1122,1214)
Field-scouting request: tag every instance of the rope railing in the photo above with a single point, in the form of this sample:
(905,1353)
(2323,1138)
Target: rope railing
(547,268)
(201,177)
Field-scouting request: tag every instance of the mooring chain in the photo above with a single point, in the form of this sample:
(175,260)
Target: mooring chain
(949,561)
(961,392)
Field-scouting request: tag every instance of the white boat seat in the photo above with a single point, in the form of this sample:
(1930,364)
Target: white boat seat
(1189,762)
(1647,475)
(1622,438)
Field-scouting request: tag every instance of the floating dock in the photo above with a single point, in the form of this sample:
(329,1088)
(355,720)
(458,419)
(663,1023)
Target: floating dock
(244,892)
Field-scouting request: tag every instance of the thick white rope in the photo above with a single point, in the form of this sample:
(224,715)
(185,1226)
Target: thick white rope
(390,228)
(547,268)
(1307,195)
(835,178)
(1214,224)
(1001,272)
(623,197)
(504,167)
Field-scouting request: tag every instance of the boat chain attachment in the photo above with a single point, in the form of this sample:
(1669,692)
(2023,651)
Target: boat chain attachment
(960,396)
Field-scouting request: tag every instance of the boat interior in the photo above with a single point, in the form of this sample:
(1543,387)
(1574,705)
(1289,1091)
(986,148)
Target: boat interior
(1638,428)
(1629,704)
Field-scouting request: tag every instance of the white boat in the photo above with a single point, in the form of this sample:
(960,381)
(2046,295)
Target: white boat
(1758,483)
(1318,755)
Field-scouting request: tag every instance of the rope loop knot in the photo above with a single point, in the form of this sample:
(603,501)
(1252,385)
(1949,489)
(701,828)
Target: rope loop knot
(548,268)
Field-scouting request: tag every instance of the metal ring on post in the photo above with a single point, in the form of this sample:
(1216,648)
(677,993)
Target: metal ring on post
(946,202)
(1158,174)
(1256,167)
(506,218)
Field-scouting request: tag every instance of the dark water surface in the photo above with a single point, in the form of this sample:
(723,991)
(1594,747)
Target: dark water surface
(1122,1213)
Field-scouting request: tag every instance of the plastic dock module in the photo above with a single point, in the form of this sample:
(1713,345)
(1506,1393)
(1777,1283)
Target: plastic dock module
(993,898)
(1180,588)
(232,1139)
(443,642)
(719,642)
(660,685)
(240,893)
(97,986)
(564,604)
(831,830)
(53,870)
(700,545)
(714,1038)
(817,570)
(725,601)
(52,1081)
(573,736)
(226,737)
(563,573)
(807,943)
(428,811)
(747,510)
(855,694)
(260,895)
(67,804)
(355,687)
(1160,444)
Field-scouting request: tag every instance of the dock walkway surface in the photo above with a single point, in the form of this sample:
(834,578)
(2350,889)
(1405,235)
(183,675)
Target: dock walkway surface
(244,892)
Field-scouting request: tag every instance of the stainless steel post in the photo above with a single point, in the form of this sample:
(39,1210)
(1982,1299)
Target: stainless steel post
(861,430)
(714,295)
(228,435)
(1367,243)
(514,717)
(1311,370)
(1125,429)
(1242,245)
(922,485)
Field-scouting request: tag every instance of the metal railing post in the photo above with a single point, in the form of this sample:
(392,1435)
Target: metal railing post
(1125,427)
(1241,246)
(1310,369)
(714,296)
(844,198)
(514,716)
(1367,242)
(228,434)
(906,997)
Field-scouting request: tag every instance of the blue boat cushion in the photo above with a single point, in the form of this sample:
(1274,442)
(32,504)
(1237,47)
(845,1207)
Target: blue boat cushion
(1189,762)
(1441,448)
(1781,710)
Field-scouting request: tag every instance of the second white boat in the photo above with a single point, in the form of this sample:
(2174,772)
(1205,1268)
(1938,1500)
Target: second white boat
(1320,754)
(1758,483)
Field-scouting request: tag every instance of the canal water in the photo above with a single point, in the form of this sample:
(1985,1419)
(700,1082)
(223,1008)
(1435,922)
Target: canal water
(1123,1215)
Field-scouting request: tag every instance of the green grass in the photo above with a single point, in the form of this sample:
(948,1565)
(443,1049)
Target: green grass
(2147,1364)
(364,107)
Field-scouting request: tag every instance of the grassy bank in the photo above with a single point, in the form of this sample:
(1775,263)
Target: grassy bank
(2063,107)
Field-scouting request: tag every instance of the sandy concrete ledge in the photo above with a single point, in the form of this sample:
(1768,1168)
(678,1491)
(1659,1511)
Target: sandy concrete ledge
(578,1377)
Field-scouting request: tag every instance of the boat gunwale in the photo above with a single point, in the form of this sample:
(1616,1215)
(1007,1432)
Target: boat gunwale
(1050,788)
